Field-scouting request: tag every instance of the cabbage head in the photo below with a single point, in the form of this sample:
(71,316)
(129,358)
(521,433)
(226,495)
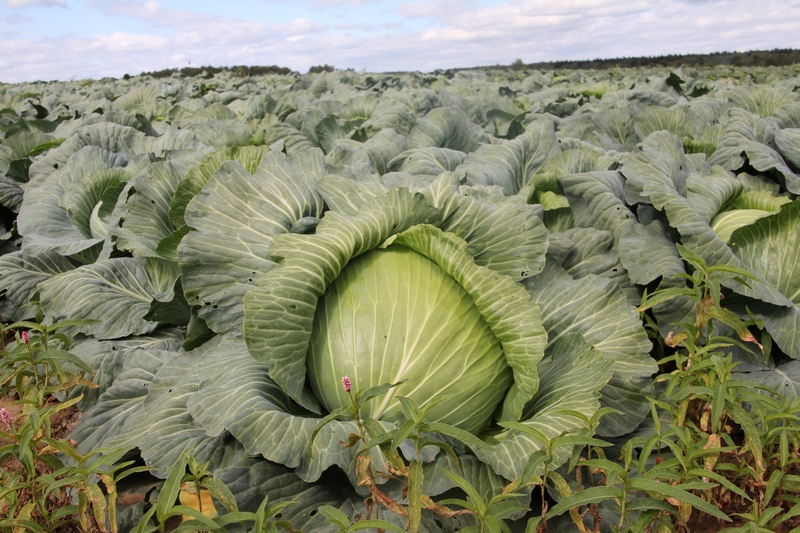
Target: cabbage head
(418,283)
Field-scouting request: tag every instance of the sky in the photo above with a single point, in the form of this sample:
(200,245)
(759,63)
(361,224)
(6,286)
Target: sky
(80,39)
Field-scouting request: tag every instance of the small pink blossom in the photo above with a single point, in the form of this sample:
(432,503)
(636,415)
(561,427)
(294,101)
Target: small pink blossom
(25,337)
(346,384)
(6,418)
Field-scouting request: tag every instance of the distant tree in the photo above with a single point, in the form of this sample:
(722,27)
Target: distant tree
(209,71)
(517,65)
(316,69)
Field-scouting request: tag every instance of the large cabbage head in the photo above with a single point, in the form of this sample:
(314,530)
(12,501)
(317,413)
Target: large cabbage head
(385,295)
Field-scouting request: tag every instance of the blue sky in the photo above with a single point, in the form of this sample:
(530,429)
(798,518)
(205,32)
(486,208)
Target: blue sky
(63,39)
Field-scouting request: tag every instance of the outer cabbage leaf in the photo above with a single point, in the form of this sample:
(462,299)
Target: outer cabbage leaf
(146,220)
(585,251)
(763,100)
(253,479)
(646,250)
(571,375)
(286,138)
(115,142)
(512,164)
(21,273)
(750,138)
(116,293)
(347,195)
(594,307)
(235,218)
(613,128)
(221,133)
(107,359)
(162,428)
(783,378)
(788,142)
(647,253)
(445,127)
(504,234)
(380,149)
(765,159)
(597,200)
(395,110)
(119,401)
(236,394)
(771,248)
(90,202)
(10,193)
(171,142)
(249,156)
(428,161)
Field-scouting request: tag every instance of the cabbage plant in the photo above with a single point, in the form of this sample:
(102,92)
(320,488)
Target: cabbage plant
(419,283)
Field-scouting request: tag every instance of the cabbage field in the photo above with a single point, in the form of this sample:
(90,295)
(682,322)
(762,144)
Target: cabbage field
(397,296)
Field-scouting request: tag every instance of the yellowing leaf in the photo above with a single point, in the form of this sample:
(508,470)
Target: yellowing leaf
(202,502)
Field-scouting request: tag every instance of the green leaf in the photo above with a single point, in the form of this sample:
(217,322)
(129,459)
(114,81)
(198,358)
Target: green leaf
(334,415)
(20,274)
(237,394)
(502,233)
(584,497)
(147,223)
(762,246)
(45,221)
(335,517)
(656,487)
(410,409)
(363,396)
(196,516)
(62,356)
(297,502)
(172,486)
(402,433)
(456,433)
(162,427)
(467,487)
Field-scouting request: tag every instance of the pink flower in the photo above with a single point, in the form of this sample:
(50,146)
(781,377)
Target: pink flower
(346,384)
(6,417)
(24,336)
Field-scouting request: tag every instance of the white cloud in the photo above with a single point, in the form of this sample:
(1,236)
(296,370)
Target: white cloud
(345,26)
(441,9)
(447,35)
(19,4)
(342,2)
